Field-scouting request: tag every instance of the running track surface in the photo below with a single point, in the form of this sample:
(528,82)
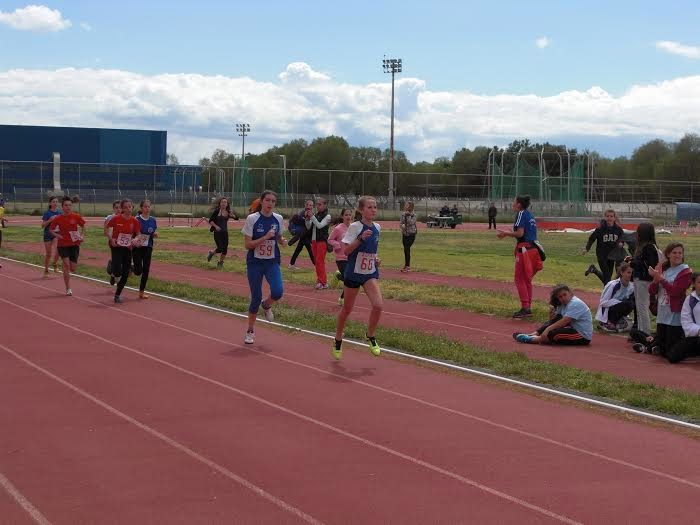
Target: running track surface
(152,412)
(606,354)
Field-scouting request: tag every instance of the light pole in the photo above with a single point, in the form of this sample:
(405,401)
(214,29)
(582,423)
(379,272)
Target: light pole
(393,66)
(243,130)
(283,187)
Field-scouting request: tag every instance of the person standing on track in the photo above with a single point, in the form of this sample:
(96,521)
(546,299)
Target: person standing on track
(300,233)
(219,225)
(50,251)
(408,234)
(124,229)
(570,322)
(263,235)
(528,260)
(69,229)
(318,224)
(336,241)
(492,216)
(608,239)
(144,249)
(361,244)
(116,210)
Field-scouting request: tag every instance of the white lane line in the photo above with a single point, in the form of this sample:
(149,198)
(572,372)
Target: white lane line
(474,371)
(419,462)
(23,502)
(162,437)
(395,393)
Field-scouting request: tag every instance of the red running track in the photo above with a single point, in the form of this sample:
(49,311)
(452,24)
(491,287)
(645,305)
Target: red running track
(152,412)
(606,354)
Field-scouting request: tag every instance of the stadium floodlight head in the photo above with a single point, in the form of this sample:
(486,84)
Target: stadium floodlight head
(392,65)
(243,129)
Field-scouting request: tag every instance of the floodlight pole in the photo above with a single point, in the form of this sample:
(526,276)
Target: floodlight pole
(243,130)
(393,66)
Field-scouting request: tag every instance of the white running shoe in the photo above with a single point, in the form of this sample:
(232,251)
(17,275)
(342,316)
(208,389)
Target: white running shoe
(269,316)
(249,338)
(69,291)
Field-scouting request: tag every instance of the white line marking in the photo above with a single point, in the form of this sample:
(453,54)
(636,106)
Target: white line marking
(423,402)
(182,448)
(270,404)
(23,502)
(474,371)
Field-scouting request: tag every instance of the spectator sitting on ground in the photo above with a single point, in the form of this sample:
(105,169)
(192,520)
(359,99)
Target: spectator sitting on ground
(616,301)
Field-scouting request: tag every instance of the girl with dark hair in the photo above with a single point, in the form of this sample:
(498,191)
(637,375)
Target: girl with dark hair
(690,320)
(646,255)
(670,280)
(318,224)
(616,301)
(263,235)
(69,229)
(336,241)
(408,234)
(51,253)
(116,210)
(124,228)
(570,322)
(608,240)
(301,234)
(143,249)
(528,260)
(219,226)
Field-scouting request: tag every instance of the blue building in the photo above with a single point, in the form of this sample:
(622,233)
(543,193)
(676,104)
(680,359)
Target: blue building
(87,157)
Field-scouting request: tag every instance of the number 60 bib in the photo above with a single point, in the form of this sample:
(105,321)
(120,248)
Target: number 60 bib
(366,263)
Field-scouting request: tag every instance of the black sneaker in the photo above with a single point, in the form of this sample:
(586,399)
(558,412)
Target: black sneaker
(112,280)
(515,335)
(210,255)
(117,299)
(591,269)
(220,265)
(639,348)
(522,313)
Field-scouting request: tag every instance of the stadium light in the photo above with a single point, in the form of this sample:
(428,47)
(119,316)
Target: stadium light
(243,130)
(393,66)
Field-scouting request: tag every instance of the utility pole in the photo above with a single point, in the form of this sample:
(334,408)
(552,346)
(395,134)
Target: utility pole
(393,66)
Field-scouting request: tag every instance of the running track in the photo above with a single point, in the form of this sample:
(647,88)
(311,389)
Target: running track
(607,353)
(152,412)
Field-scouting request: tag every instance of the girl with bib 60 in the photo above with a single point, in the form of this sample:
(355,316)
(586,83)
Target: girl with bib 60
(361,243)
(263,235)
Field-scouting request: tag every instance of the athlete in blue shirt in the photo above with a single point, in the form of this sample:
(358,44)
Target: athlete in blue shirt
(361,243)
(49,240)
(143,245)
(263,235)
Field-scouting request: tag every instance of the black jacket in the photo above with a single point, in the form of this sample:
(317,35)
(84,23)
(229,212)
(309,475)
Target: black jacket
(607,238)
(648,256)
(492,211)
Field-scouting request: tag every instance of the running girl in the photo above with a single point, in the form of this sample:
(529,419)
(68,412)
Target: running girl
(608,237)
(360,244)
(616,301)
(143,248)
(690,319)
(69,229)
(318,226)
(336,241)
(570,322)
(528,260)
(51,253)
(219,225)
(115,211)
(263,235)
(3,221)
(124,229)
(408,234)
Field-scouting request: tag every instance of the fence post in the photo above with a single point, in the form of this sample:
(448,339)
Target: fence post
(94,202)
(329,183)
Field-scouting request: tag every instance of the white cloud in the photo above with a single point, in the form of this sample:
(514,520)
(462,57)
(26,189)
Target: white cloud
(35,18)
(543,42)
(676,48)
(86,26)
(199,111)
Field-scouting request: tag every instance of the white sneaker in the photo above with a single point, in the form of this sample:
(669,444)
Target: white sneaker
(269,316)
(249,338)
(292,267)
(69,291)
(325,286)
(319,286)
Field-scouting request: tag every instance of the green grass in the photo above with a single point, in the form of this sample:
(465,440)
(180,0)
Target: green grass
(514,364)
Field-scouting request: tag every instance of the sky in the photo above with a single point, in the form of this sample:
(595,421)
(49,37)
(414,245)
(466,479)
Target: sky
(599,75)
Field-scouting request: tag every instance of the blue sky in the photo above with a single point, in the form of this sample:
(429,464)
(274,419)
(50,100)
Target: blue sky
(481,48)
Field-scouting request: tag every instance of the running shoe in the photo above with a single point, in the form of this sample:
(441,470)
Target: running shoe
(269,316)
(46,274)
(622,325)
(639,348)
(325,286)
(341,301)
(112,280)
(249,337)
(337,351)
(142,295)
(210,255)
(55,267)
(319,286)
(69,291)
(117,299)
(338,275)
(404,269)
(373,346)
(293,267)
(109,267)
(522,313)
(590,270)
(656,350)
(524,338)
(515,335)
(608,327)
(220,265)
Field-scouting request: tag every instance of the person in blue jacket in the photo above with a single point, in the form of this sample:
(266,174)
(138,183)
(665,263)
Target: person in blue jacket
(51,253)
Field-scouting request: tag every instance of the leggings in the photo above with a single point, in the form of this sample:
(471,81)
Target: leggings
(620,310)
(304,242)
(408,241)
(121,266)
(221,240)
(690,346)
(566,335)
(607,267)
(142,264)
(492,220)
(270,270)
(341,268)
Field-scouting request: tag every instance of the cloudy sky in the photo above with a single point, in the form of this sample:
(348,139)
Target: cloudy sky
(603,75)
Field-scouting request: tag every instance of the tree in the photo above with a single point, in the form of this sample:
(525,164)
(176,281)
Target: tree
(172,160)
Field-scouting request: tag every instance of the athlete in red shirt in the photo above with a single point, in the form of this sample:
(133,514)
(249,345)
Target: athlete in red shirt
(69,229)
(124,229)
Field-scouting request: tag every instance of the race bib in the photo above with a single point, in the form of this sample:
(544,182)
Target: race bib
(664,300)
(124,239)
(142,240)
(265,250)
(366,263)
(75,236)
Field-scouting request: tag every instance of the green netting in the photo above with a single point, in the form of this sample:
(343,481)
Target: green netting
(246,183)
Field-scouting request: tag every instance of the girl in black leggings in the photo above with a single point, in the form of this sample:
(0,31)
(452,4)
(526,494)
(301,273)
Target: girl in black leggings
(142,253)
(408,234)
(124,229)
(219,225)
(608,249)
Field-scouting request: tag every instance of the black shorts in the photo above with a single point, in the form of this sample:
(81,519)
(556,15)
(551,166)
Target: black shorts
(357,284)
(69,252)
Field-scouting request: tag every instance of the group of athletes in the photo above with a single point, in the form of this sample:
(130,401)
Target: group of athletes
(649,280)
